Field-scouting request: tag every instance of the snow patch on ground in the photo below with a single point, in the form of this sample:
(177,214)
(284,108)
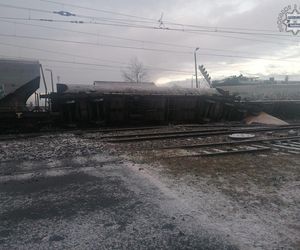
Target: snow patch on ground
(248,228)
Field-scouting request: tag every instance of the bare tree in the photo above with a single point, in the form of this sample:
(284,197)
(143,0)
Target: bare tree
(136,72)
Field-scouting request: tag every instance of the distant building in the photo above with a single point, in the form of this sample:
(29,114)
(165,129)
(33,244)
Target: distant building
(254,89)
(243,80)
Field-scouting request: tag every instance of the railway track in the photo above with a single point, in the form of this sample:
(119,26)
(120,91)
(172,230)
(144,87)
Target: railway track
(270,142)
(164,133)
(227,151)
(280,139)
(195,133)
(289,145)
(15,135)
(189,131)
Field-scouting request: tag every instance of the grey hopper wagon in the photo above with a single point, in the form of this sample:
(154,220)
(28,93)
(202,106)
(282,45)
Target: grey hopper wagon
(19,79)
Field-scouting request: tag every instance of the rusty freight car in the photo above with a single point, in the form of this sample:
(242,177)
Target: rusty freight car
(123,104)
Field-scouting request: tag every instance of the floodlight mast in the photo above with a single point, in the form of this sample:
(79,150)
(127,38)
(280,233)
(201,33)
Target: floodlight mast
(205,75)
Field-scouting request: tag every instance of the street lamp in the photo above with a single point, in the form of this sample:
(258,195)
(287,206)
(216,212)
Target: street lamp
(195,57)
(52,85)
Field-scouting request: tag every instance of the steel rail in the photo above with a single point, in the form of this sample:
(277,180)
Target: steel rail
(165,133)
(24,135)
(233,142)
(198,134)
(229,152)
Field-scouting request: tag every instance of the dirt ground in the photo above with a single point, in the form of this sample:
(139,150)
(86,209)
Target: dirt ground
(254,197)
(76,191)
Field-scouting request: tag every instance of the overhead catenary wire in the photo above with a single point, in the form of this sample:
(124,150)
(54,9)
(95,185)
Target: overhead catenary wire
(120,24)
(220,55)
(115,23)
(152,19)
(211,29)
(124,38)
(79,68)
(103,11)
(243,38)
(121,64)
(25,8)
(81,56)
(93,64)
(96,44)
(124,23)
(155,28)
(136,48)
(59,52)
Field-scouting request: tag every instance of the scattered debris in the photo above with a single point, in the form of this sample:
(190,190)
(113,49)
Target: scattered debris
(293,132)
(264,118)
(241,136)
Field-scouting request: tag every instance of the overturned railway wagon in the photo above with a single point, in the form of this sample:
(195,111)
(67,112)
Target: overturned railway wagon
(118,104)
(280,99)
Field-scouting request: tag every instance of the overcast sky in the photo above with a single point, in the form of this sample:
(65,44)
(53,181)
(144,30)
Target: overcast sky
(96,55)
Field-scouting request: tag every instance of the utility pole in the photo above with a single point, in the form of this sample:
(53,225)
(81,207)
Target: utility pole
(52,84)
(196,73)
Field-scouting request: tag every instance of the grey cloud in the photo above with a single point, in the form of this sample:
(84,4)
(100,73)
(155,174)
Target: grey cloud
(253,14)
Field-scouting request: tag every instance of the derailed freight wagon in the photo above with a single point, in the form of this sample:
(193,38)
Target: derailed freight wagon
(122,104)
